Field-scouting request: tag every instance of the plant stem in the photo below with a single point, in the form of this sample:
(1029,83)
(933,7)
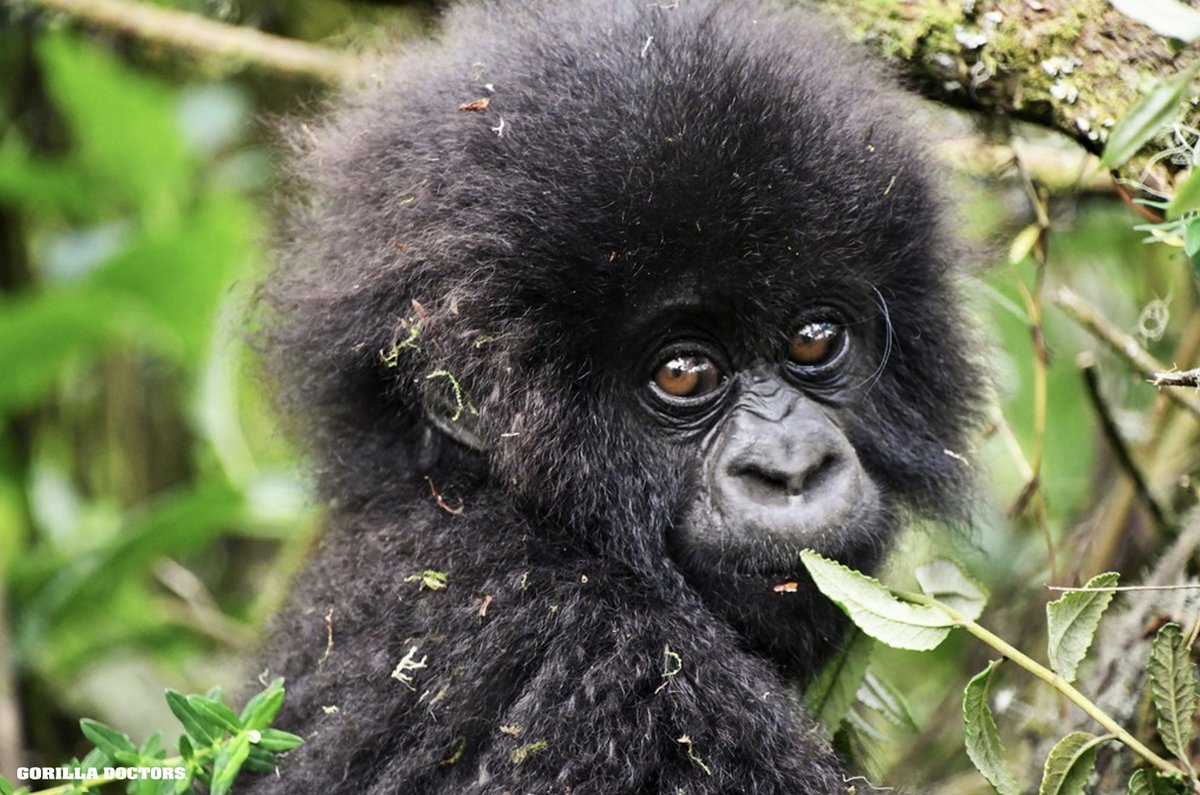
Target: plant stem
(208,38)
(1054,680)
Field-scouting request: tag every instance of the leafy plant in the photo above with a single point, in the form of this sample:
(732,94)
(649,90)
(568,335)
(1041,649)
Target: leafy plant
(921,621)
(217,745)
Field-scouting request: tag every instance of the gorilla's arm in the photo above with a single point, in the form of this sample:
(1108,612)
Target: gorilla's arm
(562,681)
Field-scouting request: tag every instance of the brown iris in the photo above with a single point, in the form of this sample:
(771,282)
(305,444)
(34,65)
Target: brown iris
(817,343)
(687,376)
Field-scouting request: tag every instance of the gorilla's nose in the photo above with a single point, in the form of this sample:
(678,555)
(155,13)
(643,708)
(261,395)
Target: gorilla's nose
(791,473)
(804,473)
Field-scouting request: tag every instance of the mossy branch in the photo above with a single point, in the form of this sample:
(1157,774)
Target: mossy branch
(1072,65)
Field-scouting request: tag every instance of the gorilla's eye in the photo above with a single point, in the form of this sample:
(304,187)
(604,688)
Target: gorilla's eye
(817,344)
(687,376)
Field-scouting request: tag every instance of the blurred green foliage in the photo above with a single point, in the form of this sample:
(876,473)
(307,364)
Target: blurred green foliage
(125,401)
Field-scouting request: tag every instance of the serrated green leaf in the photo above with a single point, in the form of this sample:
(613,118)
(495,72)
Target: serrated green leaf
(982,737)
(262,709)
(832,693)
(228,764)
(215,714)
(873,608)
(110,742)
(950,585)
(1069,764)
(1149,782)
(1187,196)
(1165,17)
(277,741)
(193,723)
(1146,118)
(1071,622)
(1173,688)
(877,694)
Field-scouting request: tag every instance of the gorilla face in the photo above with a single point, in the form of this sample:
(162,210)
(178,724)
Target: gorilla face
(751,403)
(775,470)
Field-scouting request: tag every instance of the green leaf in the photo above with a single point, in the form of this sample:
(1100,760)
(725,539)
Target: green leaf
(112,743)
(1191,238)
(1069,764)
(172,280)
(42,333)
(44,185)
(946,582)
(173,524)
(1146,118)
(262,709)
(1150,782)
(1173,688)
(185,748)
(1187,197)
(215,714)
(6,787)
(228,763)
(876,694)
(982,737)
(260,760)
(831,695)
(122,123)
(151,747)
(193,723)
(1072,621)
(873,608)
(1165,17)
(277,741)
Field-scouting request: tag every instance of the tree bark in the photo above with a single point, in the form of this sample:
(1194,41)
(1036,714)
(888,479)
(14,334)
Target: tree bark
(1076,66)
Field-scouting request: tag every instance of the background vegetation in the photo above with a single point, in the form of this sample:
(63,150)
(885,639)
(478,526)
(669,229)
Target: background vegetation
(150,514)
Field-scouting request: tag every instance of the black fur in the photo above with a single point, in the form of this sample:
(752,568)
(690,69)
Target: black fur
(506,260)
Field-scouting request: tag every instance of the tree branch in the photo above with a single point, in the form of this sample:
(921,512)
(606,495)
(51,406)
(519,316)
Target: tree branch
(1121,343)
(1072,65)
(211,40)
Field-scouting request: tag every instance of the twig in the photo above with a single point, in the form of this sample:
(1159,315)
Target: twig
(1177,378)
(1087,365)
(1121,343)
(209,39)
(1032,495)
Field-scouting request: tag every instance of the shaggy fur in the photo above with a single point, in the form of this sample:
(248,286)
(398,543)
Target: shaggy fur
(493,272)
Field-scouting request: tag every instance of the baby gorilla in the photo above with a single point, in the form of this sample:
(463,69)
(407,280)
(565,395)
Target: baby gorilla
(595,315)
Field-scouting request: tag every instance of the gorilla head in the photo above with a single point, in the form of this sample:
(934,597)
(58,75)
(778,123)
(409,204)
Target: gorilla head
(661,295)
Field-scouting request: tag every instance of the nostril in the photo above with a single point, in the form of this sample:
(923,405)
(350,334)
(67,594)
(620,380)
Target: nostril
(761,484)
(815,478)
